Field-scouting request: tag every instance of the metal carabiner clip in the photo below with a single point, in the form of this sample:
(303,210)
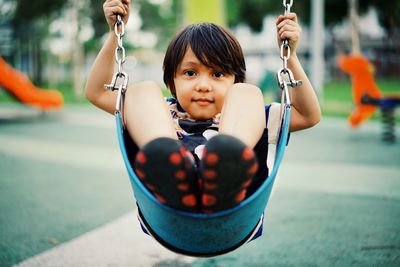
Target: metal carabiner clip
(283,84)
(290,81)
(113,85)
(121,90)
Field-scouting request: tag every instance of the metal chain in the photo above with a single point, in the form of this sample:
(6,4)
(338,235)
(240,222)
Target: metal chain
(285,45)
(120,50)
(287,5)
(285,75)
(120,79)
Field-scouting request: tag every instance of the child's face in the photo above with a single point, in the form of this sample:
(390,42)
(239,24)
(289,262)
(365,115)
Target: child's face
(200,89)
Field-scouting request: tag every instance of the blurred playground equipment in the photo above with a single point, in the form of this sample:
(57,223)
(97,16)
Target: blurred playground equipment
(20,87)
(367,96)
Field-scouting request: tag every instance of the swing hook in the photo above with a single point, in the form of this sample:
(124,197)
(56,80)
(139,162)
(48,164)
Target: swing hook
(289,81)
(113,85)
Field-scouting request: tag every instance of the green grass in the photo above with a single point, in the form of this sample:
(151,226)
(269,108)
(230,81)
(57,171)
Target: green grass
(65,89)
(337,97)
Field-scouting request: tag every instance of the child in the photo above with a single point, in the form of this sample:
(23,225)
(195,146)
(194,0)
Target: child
(205,149)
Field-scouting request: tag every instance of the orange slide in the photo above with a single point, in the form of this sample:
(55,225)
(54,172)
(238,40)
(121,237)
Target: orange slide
(22,89)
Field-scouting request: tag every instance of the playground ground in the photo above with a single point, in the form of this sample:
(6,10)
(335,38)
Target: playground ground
(65,198)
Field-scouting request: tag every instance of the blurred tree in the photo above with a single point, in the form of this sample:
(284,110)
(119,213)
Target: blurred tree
(388,16)
(252,12)
(7,10)
(30,27)
(162,19)
(98,22)
(28,10)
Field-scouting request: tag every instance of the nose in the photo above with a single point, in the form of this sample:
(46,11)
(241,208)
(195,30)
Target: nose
(203,84)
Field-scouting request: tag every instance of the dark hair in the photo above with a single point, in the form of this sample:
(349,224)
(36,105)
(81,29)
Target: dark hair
(212,45)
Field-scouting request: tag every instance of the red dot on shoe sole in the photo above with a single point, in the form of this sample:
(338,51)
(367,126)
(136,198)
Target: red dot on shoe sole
(253,169)
(183,150)
(141,158)
(180,175)
(150,187)
(189,200)
(212,158)
(240,196)
(248,154)
(183,187)
(160,198)
(208,200)
(246,184)
(210,186)
(175,158)
(209,174)
(140,174)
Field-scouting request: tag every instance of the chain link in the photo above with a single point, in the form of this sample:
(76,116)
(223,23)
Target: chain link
(119,30)
(287,5)
(285,75)
(120,79)
(120,58)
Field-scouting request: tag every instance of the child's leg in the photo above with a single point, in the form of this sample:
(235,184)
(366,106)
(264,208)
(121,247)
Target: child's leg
(162,164)
(166,169)
(243,114)
(229,162)
(146,114)
(227,168)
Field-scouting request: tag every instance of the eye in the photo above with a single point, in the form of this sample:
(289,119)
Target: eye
(218,74)
(190,73)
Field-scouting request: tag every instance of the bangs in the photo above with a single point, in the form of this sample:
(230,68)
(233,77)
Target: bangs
(213,49)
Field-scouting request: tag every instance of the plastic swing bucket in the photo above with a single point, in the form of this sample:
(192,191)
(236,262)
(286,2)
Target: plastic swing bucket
(199,234)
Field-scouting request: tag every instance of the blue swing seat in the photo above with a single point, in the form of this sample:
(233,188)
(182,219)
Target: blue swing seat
(198,234)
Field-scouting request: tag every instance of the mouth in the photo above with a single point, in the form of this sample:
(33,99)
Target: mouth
(203,101)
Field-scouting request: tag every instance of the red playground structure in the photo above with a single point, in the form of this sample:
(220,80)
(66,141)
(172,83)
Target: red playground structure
(19,86)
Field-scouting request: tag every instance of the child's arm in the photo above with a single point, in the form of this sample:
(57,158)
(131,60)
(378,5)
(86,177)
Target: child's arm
(103,68)
(306,111)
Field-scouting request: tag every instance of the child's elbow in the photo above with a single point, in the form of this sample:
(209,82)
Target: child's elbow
(310,120)
(90,96)
(314,119)
(299,123)
(314,122)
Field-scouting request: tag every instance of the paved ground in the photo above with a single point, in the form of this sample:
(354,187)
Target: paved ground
(65,199)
